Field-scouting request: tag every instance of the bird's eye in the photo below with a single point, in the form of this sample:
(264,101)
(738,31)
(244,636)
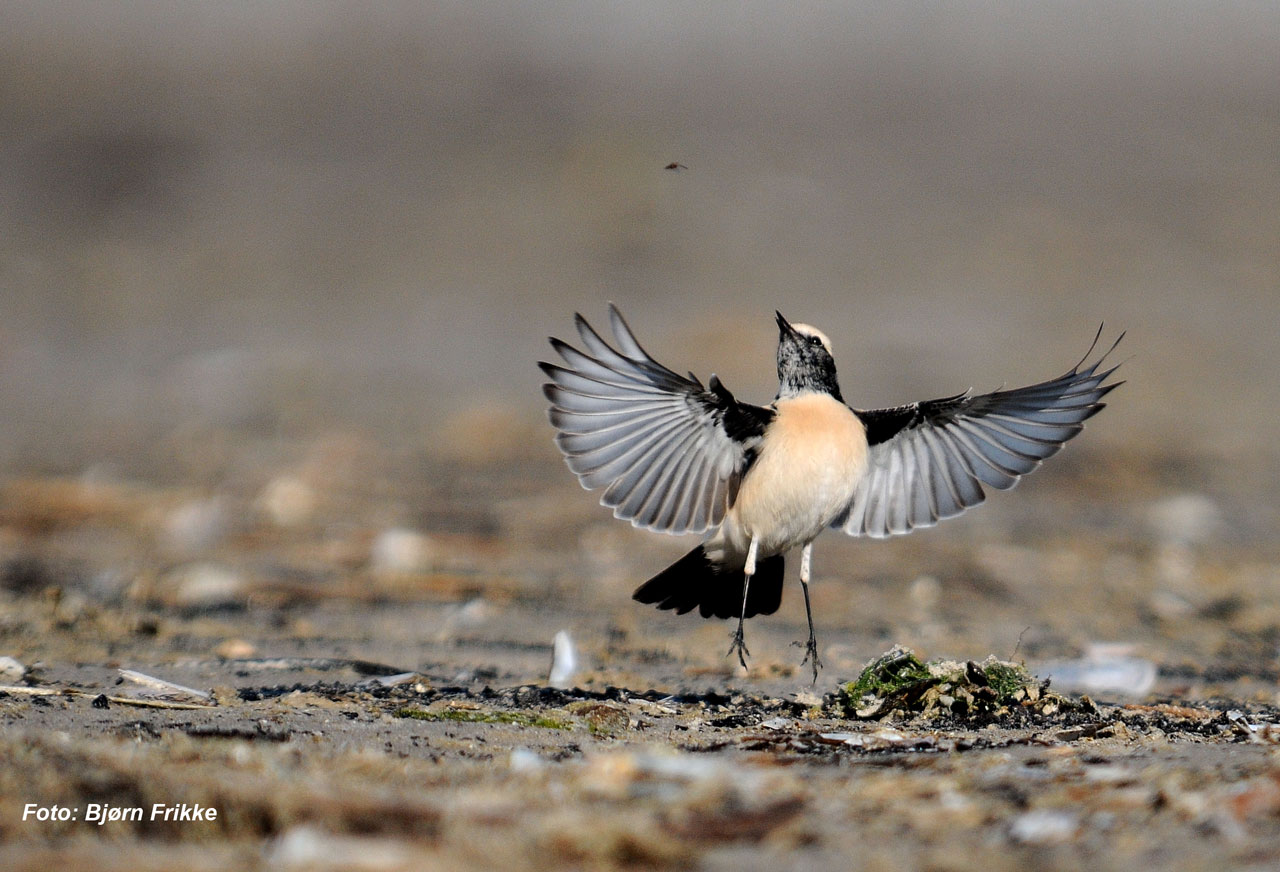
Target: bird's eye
(814,340)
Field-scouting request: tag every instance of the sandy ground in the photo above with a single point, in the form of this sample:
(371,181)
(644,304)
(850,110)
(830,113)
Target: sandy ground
(273,282)
(376,698)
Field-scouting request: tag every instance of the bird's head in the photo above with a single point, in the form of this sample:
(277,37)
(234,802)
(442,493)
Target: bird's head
(804,360)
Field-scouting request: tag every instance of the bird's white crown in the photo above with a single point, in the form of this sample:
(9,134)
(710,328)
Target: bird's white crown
(810,330)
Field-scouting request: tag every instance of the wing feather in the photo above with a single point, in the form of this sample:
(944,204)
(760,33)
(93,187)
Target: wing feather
(929,461)
(667,451)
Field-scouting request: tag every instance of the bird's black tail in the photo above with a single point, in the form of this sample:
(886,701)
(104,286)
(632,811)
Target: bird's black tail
(693,580)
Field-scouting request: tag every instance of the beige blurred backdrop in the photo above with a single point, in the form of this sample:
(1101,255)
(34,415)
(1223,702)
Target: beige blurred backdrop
(276,218)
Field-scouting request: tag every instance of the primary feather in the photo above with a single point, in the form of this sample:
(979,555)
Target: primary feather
(930,460)
(669,452)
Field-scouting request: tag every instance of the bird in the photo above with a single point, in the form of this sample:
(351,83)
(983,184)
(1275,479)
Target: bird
(675,456)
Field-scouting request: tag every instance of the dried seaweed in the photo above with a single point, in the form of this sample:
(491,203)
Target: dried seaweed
(899,683)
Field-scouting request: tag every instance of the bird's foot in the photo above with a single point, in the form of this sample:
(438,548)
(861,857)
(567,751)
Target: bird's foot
(811,656)
(739,646)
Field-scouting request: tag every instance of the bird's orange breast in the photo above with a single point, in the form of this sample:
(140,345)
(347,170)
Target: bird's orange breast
(811,458)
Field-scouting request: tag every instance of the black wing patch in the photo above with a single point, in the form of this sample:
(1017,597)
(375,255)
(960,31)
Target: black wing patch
(668,451)
(928,461)
(883,424)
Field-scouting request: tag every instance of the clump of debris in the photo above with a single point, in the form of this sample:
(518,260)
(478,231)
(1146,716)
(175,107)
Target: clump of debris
(898,684)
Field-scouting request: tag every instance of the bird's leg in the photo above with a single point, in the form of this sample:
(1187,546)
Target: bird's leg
(738,644)
(811,649)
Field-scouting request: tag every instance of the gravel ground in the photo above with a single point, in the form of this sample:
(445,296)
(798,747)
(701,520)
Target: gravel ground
(359,697)
(283,535)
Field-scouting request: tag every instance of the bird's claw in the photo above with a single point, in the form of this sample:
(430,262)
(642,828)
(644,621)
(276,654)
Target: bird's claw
(811,656)
(739,645)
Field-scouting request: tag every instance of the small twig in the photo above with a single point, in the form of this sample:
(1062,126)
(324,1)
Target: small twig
(161,685)
(1019,645)
(32,691)
(122,700)
(152,703)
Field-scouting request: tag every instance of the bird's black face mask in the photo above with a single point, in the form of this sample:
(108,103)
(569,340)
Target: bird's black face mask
(804,362)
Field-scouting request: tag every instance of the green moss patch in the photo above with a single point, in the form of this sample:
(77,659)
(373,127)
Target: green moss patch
(484,716)
(898,683)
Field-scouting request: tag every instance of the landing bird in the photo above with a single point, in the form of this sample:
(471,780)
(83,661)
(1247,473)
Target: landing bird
(677,457)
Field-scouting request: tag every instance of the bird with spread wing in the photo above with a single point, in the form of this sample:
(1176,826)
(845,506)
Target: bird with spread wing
(676,456)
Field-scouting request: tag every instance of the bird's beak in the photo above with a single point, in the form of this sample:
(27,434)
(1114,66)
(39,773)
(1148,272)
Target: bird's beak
(784,327)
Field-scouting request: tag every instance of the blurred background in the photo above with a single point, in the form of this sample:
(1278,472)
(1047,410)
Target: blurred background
(277,251)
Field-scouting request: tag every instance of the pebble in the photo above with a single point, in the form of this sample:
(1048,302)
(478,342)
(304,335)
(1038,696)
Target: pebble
(400,550)
(287,500)
(196,524)
(204,585)
(564,661)
(925,592)
(11,669)
(1044,826)
(524,760)
(1105,669)
(236,649)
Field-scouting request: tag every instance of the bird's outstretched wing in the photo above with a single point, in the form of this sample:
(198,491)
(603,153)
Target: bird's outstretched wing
(929,461)
(668,451)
